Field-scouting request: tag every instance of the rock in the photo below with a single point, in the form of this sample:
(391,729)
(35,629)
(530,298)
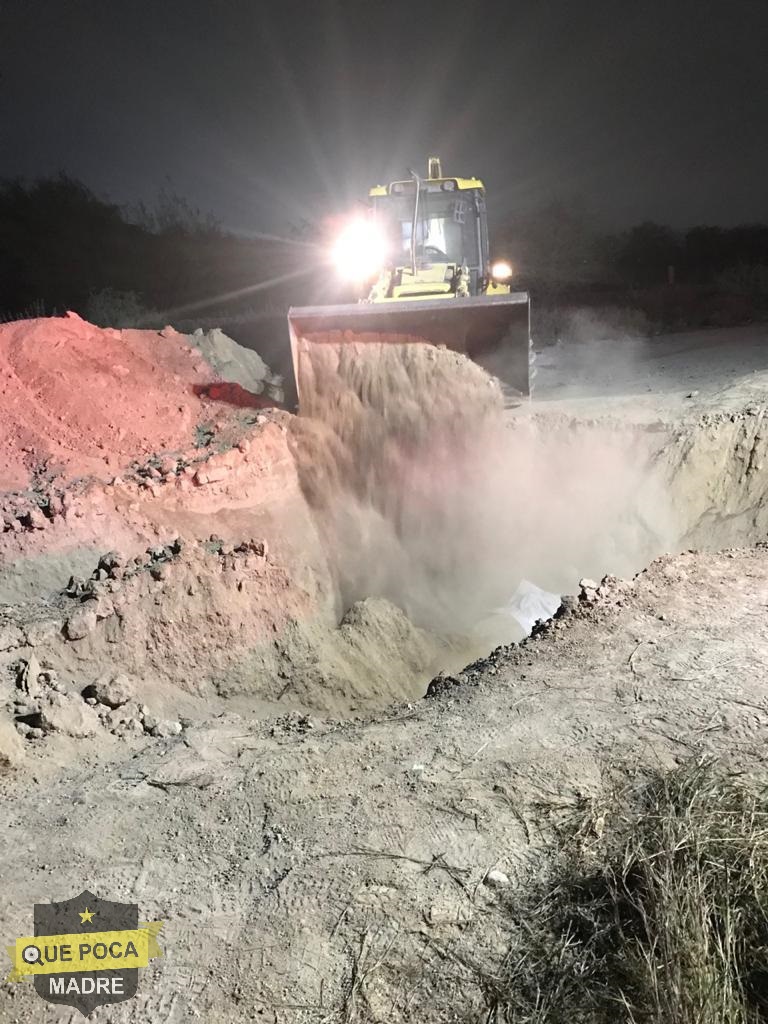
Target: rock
(182,773)
(113,629)
(41,632)
(11,746)
(123,720)
(70,716)
(496,879)
(159,572)
(165,728)
(111,690)
(80,624)
(36,519)
(451,911)
(210,475)
(130,726)
(692,394)
(102,607)
(10,637)
(29,678)
(441,684)
(25,709)
(75,587)
(260,548)
(588,590)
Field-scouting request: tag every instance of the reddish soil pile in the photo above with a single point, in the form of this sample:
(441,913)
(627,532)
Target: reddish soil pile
(82,400)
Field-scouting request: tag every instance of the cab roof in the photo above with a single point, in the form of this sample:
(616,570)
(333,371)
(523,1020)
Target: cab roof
(431,184)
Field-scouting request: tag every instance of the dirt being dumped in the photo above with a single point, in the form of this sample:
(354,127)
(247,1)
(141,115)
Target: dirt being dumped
(394,447)
(434,496)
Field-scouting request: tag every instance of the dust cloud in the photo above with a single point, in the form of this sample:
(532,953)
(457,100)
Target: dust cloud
(430,494)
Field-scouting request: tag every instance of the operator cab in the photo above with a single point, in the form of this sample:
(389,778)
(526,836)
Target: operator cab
(434,223)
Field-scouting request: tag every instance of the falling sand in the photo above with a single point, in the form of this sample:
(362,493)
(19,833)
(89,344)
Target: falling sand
(429,494)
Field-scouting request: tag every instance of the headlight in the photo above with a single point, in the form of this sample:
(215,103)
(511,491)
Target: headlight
(501,270)
(360,251)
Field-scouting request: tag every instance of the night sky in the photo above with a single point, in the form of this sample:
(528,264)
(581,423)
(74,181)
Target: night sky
(264,113)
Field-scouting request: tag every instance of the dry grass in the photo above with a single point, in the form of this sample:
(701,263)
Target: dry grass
(663,920)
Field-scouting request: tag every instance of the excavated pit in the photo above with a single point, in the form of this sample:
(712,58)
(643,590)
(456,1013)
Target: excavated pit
(435,496)
(337,561)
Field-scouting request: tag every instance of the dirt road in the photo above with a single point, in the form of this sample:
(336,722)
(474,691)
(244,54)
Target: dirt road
(666,377)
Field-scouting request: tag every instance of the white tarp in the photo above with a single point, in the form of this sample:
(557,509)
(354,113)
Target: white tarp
(529,603)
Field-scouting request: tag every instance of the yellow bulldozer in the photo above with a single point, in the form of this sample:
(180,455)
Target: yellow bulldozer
(421,258)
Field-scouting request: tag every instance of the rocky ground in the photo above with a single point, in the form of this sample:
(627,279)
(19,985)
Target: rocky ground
(312,869)
(193,720)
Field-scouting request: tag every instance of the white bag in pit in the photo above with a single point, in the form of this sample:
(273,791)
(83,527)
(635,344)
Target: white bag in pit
(529,603)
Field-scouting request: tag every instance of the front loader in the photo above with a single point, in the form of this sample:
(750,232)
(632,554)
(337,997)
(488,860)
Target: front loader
(422,256)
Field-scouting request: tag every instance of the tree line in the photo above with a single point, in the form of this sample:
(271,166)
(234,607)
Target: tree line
(63,247)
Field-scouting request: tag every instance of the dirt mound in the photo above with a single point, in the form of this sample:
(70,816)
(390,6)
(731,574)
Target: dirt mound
(187,454)
(214,620)
(78,400)
(239,366)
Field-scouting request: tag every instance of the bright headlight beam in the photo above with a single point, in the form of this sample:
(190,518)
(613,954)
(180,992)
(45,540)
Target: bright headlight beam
(501,270)
(360,250)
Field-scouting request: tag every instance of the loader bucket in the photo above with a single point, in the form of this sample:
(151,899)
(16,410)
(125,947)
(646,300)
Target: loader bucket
(492,330)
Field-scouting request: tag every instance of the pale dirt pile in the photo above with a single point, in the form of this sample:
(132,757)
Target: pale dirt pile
(237,365)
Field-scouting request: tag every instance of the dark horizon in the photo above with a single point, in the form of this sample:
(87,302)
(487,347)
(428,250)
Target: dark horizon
(266,117)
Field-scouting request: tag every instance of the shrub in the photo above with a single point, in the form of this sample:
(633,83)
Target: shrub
(112,308)
(662,920)
(745,279)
